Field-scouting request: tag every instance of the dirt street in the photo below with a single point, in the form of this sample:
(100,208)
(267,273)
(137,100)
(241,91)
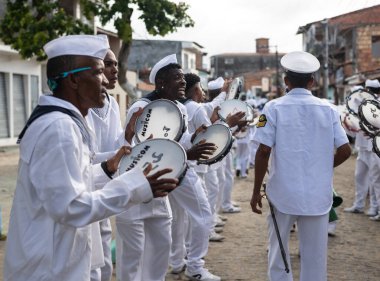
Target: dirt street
(353,253)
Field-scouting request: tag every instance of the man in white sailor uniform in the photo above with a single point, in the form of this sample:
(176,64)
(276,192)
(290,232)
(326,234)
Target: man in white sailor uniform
(57,204)
(366,169)
(105,122)
(225,173)
(144,234)
(299,132)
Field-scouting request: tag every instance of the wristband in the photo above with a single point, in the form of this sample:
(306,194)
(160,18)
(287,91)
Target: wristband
(105,169)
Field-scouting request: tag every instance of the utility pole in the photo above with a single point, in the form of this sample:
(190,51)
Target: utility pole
(278,91)
(326,60)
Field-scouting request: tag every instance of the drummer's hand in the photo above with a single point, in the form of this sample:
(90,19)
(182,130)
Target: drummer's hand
(242,124)
(255,203)
(113,162)
(130,128)
(202,128)
(215,116)
(160,187)
(233,120)
(200,151)
(226,85)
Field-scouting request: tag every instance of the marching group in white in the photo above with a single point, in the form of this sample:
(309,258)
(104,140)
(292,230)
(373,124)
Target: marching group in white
(60,226)
(69,184)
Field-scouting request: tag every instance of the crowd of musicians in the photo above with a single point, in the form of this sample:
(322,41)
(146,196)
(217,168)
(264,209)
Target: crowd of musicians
(69,185)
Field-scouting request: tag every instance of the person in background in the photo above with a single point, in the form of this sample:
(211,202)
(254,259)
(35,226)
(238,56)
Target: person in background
(105,122)
(366,169)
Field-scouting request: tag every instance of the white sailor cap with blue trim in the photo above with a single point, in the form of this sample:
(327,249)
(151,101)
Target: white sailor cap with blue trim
(162,63)
(80,45)
(300,62)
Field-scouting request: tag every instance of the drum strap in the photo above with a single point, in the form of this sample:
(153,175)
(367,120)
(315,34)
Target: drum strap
(44,109)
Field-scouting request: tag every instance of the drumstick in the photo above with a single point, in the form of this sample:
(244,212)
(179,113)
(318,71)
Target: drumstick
(283,254)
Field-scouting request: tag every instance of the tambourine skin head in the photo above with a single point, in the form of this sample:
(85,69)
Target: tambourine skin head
(161,153)
(369,114)
(232,107)
(354,99)
(221,136)
(234,89)
(161,118)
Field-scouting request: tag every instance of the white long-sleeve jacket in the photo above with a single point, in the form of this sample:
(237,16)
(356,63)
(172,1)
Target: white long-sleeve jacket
(55,201)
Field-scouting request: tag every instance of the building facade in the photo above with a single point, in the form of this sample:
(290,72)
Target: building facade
(351,44)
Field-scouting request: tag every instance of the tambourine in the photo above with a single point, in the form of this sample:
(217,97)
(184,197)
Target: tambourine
(161,118)
(234,90)
(369,114)
(351,124)
(376,144)
(368,131)
(161,153)
(250,113)
(231,107)
(221,136)
(354,99)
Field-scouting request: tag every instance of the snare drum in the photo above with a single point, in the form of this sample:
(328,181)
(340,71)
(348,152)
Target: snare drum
(376,144)
(354,99)
(234,89)
(161,118)
(369,113)
(161,153)
(232,107)
(221,136)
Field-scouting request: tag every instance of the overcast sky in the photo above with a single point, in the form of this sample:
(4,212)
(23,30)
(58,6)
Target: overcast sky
(233,25)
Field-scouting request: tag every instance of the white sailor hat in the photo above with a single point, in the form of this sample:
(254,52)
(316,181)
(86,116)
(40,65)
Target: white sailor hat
(300,62)
(216,84)
(81,45)
(372,83)
(162,63)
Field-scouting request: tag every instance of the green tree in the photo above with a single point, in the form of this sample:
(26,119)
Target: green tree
(39,21)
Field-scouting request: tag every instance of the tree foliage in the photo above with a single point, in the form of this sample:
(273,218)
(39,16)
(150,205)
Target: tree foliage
(29,24)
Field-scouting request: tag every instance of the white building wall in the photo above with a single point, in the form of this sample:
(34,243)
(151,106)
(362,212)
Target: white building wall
(18,105)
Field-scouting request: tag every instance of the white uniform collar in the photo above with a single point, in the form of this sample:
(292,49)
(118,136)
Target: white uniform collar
(299,91)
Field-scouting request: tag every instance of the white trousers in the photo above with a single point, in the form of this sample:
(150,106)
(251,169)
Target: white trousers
(142,249)
(212,186)
(228,174)
(253,146)
(312,235)
(366,172)
(190,199)
(105,272)
(242,158)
